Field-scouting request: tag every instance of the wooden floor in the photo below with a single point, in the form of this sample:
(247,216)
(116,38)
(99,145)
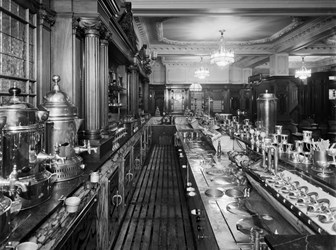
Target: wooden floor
(157,217)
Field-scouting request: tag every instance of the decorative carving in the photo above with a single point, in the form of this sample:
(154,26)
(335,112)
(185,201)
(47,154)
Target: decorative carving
(142,30)
(105,34)
(46,16)
(314,28)
(91,25)
(126,23)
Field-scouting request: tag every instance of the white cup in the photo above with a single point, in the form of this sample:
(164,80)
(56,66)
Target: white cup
(94,177)
(27,246)
(72,203)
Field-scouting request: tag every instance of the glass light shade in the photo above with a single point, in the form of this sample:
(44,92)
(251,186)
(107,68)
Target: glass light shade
(195,87)
(303,73)
(222,57)
(202,73)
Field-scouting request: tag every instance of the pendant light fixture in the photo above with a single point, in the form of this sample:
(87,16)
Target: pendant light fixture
(303,73)
(222,56)
(196,87)
(202,72)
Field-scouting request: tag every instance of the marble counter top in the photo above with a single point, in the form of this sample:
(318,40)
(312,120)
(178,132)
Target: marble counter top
(298,242)
(223,222)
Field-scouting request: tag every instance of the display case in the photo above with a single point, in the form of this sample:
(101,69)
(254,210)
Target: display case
(114,93)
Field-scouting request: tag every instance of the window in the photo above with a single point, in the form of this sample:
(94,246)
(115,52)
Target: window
(17,51)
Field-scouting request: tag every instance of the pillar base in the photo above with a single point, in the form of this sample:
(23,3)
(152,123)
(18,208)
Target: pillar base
(91,135)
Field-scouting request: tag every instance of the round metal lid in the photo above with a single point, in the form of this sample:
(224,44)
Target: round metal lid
(15,103)
(267,96)
(20,114)
(57,102)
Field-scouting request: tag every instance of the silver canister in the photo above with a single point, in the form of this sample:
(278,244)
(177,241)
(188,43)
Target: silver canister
(267,111)
(62,128)
(23,136)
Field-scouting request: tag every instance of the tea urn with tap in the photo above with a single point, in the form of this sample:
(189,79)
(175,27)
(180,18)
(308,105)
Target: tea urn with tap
(62,140)
(22,176)
(267,112)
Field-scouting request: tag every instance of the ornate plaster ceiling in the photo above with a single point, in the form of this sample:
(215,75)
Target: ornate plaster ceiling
(183,31)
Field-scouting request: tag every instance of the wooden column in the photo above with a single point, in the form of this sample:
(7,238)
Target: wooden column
(46,21)
(133,89)
(104,78)
(92,91)
(146,96)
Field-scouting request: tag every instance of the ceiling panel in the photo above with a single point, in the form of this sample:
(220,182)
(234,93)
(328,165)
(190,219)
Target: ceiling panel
(255,29)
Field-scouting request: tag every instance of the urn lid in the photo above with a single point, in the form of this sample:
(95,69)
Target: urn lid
(57,102)
(14,101)
(20,114)
(266,96)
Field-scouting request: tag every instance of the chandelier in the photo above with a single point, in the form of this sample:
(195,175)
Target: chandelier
(303,73)
(222,57)
(195,87)
(202,72)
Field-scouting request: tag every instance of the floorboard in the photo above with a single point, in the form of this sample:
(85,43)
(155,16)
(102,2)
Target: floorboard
(157,216)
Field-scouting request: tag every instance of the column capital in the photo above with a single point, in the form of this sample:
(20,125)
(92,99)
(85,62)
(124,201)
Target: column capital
(132,68)
(90,25)
(46,16)
(105,34)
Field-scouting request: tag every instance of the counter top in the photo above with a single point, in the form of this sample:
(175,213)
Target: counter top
(28,223)
(224,222)
(310,170)
(293,242)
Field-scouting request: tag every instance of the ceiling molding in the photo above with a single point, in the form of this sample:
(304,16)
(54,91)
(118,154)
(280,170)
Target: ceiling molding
(231,7)
(296,21)
(319,28)
(173,28)
(142,30)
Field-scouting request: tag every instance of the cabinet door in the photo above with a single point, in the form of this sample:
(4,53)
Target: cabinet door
(114,201)
(136,163)
(83,234)
(128,178)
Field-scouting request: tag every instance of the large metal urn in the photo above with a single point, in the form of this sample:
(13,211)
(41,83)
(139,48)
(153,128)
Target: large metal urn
(22,176)
(62,127)
(267,112)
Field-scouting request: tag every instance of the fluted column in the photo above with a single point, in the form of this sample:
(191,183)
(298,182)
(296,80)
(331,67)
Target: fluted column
(92,91)
(104,84)
(134,89)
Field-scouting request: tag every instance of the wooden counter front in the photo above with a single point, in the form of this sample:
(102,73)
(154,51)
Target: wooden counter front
(101,209)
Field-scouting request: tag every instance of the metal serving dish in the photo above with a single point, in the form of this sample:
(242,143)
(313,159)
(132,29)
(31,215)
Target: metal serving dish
(235,193)
(214,193)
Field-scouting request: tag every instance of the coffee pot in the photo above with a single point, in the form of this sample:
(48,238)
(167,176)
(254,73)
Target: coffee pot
(62,140)
(23,152)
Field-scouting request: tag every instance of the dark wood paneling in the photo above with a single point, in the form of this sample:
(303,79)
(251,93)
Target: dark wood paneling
(84,233)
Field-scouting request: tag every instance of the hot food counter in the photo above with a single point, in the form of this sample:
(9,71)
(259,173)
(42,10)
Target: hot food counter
(236,205)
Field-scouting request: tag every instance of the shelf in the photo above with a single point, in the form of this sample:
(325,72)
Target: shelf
(116,88)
